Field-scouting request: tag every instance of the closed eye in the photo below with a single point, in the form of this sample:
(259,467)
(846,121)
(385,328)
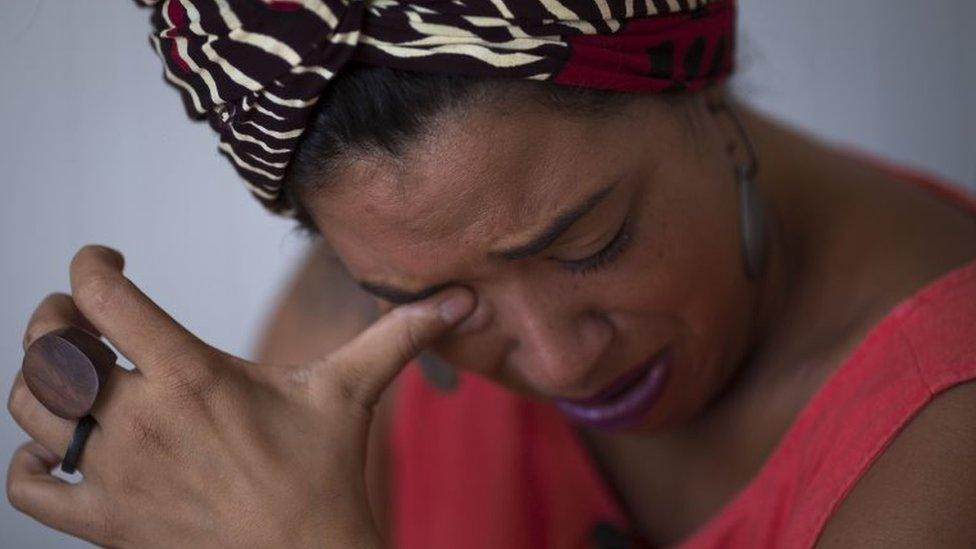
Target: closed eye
(603,257)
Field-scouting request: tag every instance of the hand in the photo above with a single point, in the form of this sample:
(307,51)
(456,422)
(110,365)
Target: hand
(199,448)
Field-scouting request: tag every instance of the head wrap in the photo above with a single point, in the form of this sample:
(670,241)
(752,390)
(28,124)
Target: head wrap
(256,68)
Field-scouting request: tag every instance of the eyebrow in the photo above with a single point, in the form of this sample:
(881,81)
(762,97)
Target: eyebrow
(560,225)
(537,244)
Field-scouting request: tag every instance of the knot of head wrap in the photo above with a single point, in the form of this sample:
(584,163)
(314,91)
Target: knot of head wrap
(256,68)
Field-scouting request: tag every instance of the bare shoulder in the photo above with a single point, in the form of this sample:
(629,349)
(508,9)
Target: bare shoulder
(899,233)
(914,214)
(921,492)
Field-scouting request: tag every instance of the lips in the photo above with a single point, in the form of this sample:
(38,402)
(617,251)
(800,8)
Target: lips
(625,401)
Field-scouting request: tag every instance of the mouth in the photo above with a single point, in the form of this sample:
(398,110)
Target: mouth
(625,401)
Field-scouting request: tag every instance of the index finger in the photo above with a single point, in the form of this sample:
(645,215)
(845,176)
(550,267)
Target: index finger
(137,327)
(368,363)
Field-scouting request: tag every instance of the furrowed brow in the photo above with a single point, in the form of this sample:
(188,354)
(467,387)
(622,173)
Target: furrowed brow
(560,225)
(543,240)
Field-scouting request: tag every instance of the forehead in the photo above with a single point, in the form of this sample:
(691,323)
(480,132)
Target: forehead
(484,179)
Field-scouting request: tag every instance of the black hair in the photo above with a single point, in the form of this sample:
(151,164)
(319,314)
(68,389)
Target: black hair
(379,109)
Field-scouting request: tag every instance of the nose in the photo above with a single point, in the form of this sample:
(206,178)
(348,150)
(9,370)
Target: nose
(556,341)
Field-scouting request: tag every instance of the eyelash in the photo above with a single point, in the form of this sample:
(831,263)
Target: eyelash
(604,257)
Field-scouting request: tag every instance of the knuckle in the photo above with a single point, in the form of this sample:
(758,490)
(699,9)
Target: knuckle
(33,332)
(97,293)
(17,494)
(55,300)
(189,381)
(19,399)
(39,322)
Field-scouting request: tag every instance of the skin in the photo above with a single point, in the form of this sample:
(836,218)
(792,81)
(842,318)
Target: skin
(218,451)
(748,353)
(539,328)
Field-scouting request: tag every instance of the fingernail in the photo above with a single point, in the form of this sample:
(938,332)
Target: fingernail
(456,307)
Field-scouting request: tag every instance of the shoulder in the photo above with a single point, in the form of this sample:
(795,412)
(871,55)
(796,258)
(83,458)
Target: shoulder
(921,492)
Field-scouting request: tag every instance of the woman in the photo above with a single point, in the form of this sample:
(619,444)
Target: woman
(673,320)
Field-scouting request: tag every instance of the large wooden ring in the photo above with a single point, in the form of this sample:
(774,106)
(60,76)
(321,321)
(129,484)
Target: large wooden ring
(65,369)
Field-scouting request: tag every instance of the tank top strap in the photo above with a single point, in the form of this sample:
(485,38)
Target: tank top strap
(924,346)
(946,316)
(482,467)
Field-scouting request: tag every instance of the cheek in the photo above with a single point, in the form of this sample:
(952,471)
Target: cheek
(680,281)
(696,276)
(683,274)
(708,271)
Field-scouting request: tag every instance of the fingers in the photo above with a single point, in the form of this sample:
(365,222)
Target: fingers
(137,327)
(55,311)
(54,433)
(32,490)
(368,363)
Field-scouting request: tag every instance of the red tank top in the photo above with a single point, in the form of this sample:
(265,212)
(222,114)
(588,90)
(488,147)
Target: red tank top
(484,468)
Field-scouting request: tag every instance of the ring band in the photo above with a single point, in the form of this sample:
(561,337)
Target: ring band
(70,462)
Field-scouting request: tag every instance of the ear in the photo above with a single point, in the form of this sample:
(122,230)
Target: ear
(721,112)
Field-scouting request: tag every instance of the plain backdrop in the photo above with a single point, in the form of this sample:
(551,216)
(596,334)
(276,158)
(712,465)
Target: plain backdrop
(95,148)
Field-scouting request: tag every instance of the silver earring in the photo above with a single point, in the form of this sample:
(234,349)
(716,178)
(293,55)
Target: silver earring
(752,224)
(439,374)
(752,221)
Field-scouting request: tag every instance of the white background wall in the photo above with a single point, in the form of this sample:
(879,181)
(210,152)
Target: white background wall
(94,148)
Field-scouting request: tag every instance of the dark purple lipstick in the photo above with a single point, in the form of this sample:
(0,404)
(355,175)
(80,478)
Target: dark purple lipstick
(625,401)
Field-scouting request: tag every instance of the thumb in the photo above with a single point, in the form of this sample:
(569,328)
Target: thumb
(366,365)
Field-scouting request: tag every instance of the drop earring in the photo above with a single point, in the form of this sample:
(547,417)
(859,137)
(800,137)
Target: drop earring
(752,224)
(752,219)
(439,374)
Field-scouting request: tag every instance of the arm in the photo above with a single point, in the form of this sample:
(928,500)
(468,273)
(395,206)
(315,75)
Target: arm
(319,310)
(281,447)
(921,492)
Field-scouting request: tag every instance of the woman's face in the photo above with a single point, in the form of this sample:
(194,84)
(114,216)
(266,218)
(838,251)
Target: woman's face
(595,244)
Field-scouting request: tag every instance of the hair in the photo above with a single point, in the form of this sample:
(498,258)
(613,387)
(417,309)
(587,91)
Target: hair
(371,109)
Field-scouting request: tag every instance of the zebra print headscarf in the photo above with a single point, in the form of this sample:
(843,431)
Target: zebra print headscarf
(255,68)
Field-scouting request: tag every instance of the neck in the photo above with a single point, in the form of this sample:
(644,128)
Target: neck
(788,241)
(789,176)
